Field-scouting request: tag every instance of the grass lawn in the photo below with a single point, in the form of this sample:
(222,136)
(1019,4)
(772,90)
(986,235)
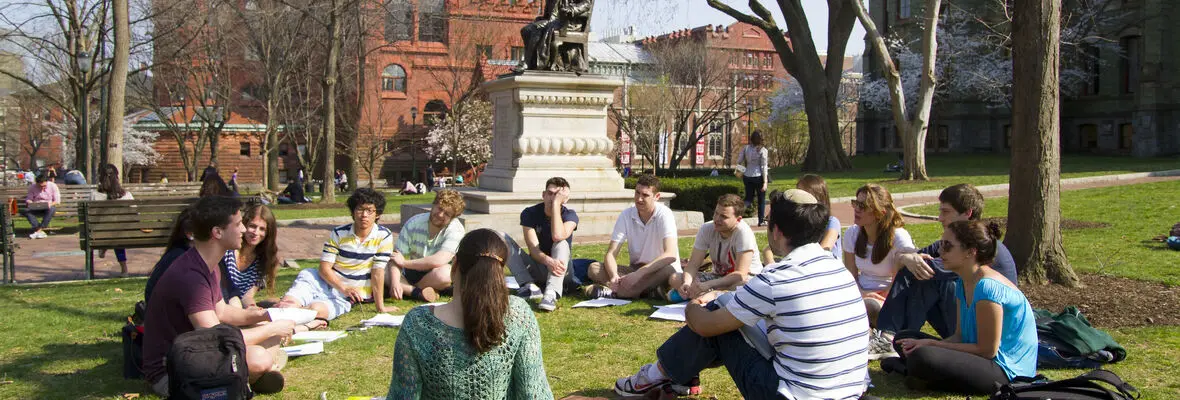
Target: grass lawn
(948,169)
(393,203)
(61,340)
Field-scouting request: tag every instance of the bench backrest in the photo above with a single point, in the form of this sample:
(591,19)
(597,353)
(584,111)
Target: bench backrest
(72,195)
(109,224)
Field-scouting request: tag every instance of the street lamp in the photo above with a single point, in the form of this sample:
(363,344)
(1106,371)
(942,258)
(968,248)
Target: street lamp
(413,127)
(84,116)
(749,118)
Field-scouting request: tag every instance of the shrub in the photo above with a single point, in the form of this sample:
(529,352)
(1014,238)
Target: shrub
(698,194)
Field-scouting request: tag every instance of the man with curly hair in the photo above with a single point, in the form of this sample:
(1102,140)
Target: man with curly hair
(427,243)
(352,268)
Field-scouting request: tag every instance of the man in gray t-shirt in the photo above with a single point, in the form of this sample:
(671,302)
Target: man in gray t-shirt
(729,243)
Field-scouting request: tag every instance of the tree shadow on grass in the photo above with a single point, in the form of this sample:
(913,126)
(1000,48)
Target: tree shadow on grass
(96,316)
(104,380)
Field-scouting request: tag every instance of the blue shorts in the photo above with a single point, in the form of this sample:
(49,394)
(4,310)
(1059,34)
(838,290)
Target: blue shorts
(581,268)
(309,288)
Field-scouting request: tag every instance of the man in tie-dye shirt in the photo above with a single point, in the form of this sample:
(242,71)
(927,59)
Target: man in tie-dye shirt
(352,267)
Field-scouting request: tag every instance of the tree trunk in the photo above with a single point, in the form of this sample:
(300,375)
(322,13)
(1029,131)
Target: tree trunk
(825,151)
(1034,213)
(329,84)
(362,59)
(116,103)
(271,175)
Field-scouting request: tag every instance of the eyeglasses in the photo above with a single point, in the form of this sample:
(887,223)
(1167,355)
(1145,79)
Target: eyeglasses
(859,205)
(365,211)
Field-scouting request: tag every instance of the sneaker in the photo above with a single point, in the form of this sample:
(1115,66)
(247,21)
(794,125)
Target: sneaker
(693,388)
(881,345)
(34,235)
(42,235)
(599,291)
(529,292)
(639,384)
(549,303)
(270,382)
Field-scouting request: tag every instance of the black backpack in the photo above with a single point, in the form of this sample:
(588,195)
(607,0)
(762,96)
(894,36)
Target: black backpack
(1087,386)
(208,364)
(132,351)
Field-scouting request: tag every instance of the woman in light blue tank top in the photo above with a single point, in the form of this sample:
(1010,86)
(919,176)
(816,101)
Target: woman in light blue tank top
(996,340)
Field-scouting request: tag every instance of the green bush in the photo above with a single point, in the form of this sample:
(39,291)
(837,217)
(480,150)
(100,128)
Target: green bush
(687,172)
(698,194)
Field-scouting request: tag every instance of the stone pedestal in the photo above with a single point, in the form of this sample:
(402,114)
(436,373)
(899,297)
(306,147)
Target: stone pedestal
(549,124)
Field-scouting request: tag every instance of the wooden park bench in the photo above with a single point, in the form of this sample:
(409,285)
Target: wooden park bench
(72,195)
(8,247)
(127,224)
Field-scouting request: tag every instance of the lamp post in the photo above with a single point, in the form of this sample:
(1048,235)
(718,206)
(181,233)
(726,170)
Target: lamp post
(413,127)
(83,163)
(749,118)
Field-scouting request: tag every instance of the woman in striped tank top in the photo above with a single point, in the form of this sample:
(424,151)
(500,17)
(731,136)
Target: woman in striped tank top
(256,264)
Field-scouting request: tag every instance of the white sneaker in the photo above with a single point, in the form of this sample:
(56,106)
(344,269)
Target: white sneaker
(549,302)
(34,235)
(530,291)
(880,345)
(42,235)
(639,384)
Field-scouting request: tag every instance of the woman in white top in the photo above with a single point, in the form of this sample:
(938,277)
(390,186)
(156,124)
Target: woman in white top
(871,245)
(756,176)
(110,189)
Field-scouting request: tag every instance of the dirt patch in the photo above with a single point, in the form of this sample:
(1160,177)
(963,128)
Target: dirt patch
(1112,302)
(1066,224)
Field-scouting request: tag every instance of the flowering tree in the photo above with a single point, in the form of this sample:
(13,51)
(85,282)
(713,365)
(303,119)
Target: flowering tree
(463,134)
(138,146)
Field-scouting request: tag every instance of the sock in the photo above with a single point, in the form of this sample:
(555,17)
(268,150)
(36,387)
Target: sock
(654,374)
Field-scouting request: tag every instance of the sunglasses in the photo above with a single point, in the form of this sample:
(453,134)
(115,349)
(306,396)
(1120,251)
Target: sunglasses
(859,205)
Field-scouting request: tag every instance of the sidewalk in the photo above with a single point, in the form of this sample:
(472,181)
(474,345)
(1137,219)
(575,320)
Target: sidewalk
(58,258)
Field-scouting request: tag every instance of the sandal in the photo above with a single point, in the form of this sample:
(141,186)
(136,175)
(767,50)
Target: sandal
(315,326)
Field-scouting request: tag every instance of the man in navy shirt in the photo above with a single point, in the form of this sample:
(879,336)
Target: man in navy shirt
(549,233)
(923,290)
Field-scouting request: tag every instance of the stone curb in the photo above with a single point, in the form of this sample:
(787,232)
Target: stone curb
(1004,186)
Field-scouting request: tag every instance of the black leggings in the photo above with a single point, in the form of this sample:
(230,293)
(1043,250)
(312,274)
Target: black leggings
(754,189)
(949,370)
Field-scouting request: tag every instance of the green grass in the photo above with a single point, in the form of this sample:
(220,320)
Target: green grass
(1136,214)
(393,203)
(949,169)
(61,340)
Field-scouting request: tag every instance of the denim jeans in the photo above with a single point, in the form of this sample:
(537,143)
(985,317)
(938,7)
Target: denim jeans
(47,217)
(911,302)
(754,189)
(685,354)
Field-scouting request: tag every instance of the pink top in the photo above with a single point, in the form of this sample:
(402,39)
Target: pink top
(50,193)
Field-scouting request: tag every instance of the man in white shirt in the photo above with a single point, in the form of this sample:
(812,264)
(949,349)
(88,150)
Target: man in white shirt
(818,326)
(732,250)
(649,229)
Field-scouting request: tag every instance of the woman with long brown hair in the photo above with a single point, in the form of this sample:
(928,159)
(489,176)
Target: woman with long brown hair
(110,189)
(483,344)
(256,264)
(871,246)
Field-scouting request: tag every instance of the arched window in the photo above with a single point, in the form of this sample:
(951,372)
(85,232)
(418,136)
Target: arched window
(393,78)
(433,112)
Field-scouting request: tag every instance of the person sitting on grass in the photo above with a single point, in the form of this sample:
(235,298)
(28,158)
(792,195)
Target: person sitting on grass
(187,297)
(256,264)
(293,193)
(179,241)
(549,234)
(483,344)
(352,267)
(42,199)
(729,243)
(996,338)
(816,186)
(649,229)
(871,248)
(924,290)
(427,243)
(819,330)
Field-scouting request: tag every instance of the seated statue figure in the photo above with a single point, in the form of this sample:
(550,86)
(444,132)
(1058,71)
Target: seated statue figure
(544,47)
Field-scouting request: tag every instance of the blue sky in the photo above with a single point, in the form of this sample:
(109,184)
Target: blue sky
(611,15)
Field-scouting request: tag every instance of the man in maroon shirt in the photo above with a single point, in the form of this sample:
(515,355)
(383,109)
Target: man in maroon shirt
(188,296)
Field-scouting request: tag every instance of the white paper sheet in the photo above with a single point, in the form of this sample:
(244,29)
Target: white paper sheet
(318,336)
(511,281)
(299,315)
(384,319)
(602,302)
(304,349)
(673,312)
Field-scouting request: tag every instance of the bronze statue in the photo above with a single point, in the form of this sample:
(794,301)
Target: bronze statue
(556,40)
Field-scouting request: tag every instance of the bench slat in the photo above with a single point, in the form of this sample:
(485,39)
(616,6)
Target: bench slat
(101,220)
(133,226)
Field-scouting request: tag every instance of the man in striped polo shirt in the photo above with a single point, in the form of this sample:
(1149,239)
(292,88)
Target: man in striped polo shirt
(815,322)
(352,267)
(425,246)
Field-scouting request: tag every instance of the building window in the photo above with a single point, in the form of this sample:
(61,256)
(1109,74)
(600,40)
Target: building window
(399,23)
(1007,136)
(749,59)
(244,148)
(1126,136)
(885,20)
(483,51)
(1093,70)
(1088,135)
(250,54)
(716,145)
(517,53)
(283,148)
(433,112)
(944,137)
(432,21)
(1131,63)
(393,78)
(903,9)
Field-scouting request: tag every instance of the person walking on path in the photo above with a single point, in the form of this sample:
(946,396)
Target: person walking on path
(757,173)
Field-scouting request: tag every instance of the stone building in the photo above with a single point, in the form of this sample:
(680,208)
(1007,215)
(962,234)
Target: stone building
(1130,106)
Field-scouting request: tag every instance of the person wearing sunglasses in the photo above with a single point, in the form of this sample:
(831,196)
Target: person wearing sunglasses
(871,246)
(996,338)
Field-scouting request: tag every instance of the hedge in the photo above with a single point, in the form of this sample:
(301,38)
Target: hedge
(699,194)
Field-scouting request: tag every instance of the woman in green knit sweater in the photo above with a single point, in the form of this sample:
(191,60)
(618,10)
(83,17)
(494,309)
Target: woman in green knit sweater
(484,344)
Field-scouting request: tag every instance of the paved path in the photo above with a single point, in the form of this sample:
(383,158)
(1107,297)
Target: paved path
(58,257)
